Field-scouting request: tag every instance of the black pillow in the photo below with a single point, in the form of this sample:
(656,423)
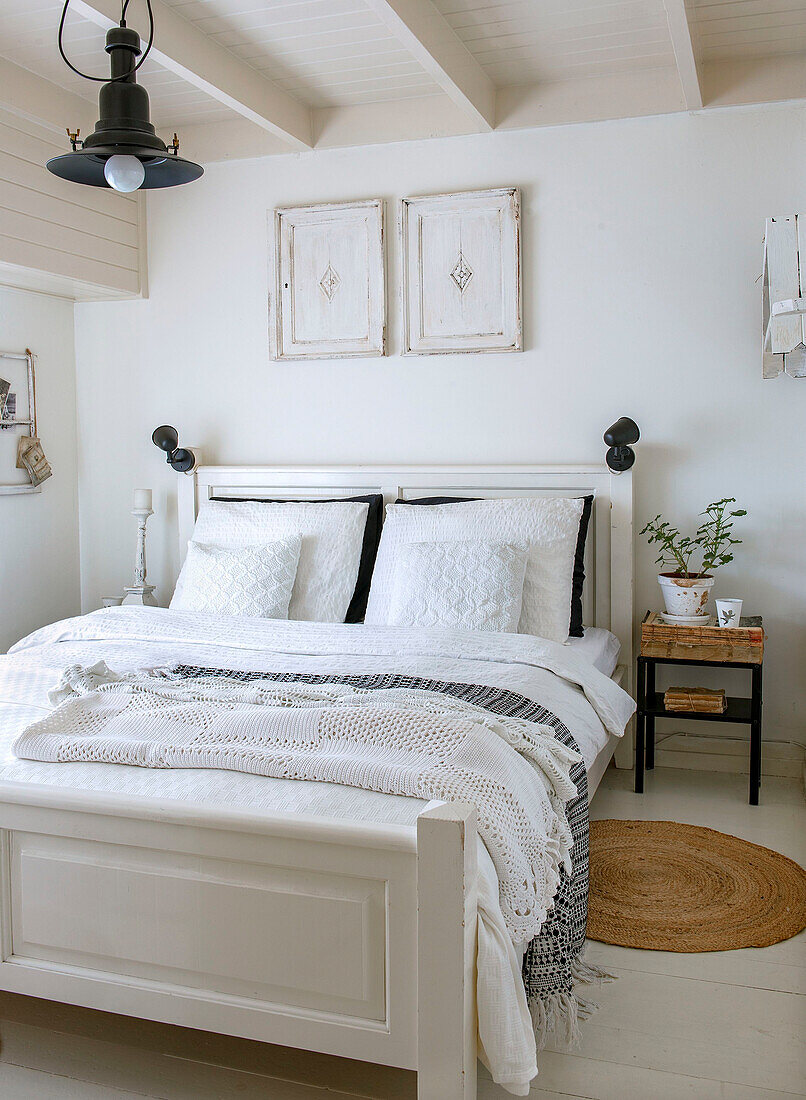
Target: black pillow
(369,546)
(436,500)
(575,629)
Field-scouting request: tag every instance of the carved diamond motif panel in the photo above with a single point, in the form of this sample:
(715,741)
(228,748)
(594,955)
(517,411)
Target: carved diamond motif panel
(330,283)
(462,273)
(470,243)
(330,299)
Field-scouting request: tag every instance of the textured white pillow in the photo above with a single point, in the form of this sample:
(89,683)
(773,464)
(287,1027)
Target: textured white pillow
(474,585)
(255,581)
(549,526)
(332,537)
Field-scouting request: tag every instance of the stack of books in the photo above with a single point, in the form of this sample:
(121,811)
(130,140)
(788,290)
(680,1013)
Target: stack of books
(695,700)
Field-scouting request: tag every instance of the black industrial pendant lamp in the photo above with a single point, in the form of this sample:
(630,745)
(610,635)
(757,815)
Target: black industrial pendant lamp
(123,151)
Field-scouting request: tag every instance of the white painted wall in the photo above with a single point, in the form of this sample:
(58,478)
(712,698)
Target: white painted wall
(642,250)
(39,575)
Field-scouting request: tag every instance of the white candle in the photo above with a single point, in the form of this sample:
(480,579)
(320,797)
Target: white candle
(142,500)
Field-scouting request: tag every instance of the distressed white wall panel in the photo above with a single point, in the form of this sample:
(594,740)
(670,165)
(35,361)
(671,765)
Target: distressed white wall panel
(330,296)
(782,259)
(783,281)
(461,272)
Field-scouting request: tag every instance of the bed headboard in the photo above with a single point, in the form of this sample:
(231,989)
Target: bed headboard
(608,600)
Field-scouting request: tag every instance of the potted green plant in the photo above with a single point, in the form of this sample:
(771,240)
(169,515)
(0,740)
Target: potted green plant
(686,589)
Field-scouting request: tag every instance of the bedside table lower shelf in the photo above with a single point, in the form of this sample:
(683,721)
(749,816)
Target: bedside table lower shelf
(737,710)
(651,706)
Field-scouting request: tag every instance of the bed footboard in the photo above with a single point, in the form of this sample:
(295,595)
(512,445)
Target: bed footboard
(354,939)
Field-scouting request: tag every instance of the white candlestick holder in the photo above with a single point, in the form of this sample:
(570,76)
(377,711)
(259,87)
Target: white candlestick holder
(141,592)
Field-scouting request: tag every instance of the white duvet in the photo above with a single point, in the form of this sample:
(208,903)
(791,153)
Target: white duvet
(585,700)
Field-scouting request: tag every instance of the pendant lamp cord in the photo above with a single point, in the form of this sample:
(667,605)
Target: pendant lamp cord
(106,79)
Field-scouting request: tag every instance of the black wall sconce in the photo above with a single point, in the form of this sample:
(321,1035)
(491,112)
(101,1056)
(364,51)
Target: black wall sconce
(166,438)
(619,438)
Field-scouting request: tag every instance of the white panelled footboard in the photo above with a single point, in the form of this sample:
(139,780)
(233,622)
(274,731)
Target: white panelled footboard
(356,939)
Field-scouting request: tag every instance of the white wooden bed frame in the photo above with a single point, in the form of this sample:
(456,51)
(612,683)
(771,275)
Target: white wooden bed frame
(351,938)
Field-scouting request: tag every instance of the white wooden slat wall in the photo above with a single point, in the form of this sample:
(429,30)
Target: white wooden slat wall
(88,238)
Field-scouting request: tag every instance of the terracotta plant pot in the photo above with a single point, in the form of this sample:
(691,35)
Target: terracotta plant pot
(685,595)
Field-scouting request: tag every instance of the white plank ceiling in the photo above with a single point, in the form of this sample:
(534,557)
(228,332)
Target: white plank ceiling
(327,53)
(375,70)
(729,29)
(526,41)
(28,38)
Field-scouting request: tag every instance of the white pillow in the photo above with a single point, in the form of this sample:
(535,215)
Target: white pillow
(255,581)
(332,537)
(549,526)
(474,585)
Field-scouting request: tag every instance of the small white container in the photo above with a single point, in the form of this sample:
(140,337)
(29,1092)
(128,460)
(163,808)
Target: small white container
(729,612)
(685,595)
(111,601)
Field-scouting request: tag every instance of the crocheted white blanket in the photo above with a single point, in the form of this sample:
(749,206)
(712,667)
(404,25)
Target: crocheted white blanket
(399,741)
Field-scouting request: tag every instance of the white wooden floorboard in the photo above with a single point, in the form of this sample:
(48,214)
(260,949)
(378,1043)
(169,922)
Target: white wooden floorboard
(699,1025)
(714,1031)
(109,1066)
(19,1083)
(488,1091)
(743,967)
(611,1081)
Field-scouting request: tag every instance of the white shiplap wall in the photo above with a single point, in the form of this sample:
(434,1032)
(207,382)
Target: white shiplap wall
(81,241)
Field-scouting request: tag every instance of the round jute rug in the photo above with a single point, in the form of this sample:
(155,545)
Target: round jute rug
(668,887)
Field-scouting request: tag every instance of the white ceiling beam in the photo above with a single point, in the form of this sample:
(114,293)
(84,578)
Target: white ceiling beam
(680,31)
(428,36)
(519,107)
(185,50)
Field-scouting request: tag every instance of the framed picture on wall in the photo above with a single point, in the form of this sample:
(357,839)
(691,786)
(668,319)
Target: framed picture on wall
(461,272)
(330,286)
(23,466)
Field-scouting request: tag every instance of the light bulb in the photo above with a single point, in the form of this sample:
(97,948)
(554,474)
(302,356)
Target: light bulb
(124,173)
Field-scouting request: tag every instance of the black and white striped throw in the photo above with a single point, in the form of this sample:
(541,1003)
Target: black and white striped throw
(553,962)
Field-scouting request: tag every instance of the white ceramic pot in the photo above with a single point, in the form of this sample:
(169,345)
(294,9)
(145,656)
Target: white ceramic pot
(685,595)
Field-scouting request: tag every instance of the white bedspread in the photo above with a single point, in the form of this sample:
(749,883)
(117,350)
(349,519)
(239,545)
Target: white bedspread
(589,704)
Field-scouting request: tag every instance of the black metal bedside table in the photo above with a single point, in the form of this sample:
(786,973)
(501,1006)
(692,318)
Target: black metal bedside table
(739,709)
